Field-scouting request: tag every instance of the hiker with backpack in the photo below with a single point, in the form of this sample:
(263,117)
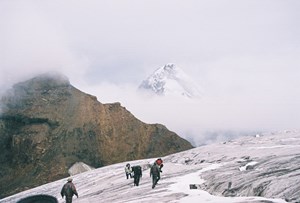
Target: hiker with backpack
(128,171)
(137,174)
(69,190)
(155,174)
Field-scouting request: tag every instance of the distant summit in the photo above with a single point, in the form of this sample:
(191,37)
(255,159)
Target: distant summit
(171,80)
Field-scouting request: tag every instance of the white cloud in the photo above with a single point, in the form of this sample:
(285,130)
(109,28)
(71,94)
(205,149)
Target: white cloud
(243,53)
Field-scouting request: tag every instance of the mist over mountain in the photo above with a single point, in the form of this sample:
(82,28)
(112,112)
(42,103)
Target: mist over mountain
(171,80)
(245,55)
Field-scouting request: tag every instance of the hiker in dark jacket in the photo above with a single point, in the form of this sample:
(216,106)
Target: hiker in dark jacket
(155,173)
(68,190)
(137,174)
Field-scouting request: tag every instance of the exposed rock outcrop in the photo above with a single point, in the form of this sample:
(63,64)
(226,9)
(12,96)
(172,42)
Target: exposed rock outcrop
(47,125)
(79,167)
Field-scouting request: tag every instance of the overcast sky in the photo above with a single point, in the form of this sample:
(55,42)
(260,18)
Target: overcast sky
(244,55)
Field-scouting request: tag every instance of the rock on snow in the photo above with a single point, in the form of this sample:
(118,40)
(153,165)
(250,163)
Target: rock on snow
(249,169)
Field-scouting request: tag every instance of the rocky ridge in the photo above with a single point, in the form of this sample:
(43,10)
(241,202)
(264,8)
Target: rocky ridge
(47,125)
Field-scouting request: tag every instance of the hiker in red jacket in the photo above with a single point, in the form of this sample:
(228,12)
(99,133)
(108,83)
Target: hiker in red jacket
(159,162)
(68,190)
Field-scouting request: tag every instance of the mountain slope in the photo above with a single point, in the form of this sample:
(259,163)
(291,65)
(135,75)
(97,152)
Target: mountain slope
(171,80)
(47,125)
(272,178)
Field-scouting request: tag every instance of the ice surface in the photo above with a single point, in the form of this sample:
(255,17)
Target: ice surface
(196,166)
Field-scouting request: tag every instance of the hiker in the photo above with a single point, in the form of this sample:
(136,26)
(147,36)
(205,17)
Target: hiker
(128,171)
(137,174)
(159,162)
(68,190)
(155,173)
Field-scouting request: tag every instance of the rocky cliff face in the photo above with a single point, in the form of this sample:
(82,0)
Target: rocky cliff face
(46,125)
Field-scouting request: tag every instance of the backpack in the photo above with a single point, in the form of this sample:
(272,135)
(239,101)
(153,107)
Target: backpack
(69,190)
(137,170)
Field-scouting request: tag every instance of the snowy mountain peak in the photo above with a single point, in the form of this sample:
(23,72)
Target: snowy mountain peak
(171,80)
(169,68)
